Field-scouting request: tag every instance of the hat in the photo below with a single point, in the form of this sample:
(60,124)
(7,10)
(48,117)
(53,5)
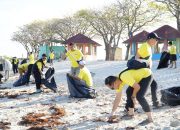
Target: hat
(153,36)
(82,62)
(170,43)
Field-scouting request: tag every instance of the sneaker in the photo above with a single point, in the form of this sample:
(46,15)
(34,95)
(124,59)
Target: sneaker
(145,122)
(38,91)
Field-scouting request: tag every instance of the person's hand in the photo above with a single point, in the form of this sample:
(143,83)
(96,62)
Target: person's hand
(110,117)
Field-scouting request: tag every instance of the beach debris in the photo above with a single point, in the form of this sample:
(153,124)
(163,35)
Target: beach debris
(4,125)
(130,128)
(12,95)
(40,121)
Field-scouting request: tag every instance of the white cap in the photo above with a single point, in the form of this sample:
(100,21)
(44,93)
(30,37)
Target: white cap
(82,62)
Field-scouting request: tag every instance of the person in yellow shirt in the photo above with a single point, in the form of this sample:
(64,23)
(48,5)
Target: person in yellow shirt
(23,68)
(15,63)
(81,85)
(144,54)
(51,56)
(172,52)
(37,70)
(85,74)
(138,81)
(74,55)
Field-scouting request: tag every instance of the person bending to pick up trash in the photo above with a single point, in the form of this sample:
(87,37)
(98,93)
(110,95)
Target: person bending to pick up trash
(81,86)
(37,71)
(74,55)
(138,81)
(144,54)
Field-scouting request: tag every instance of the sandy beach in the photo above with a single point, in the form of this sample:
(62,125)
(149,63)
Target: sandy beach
(59,112)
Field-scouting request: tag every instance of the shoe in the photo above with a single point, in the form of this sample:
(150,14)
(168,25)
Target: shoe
(127,117)
(145,122)
(157,105)
(38,91)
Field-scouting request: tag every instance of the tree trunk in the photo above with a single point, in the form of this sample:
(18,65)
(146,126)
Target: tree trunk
(107,48)
(113,50)
(178,24)
(127,52)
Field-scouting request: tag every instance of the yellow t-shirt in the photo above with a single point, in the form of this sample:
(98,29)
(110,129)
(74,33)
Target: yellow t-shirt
(39,65)
(130,77)
(24,66)
(145,51)
(85,75)
(172,49)
(31,59)
(74,56)
(51,56)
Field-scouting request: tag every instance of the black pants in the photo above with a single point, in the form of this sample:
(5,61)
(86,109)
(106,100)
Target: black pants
(15,68)
(29,71)
(37,77)
(1,76)
(154,93)
(144,84)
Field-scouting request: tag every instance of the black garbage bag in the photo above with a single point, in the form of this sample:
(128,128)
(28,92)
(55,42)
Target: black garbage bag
(1,67)
(171,96)
(49,80)
(21,81)
(164,60)
(78,89)
(25,78)
(134,64)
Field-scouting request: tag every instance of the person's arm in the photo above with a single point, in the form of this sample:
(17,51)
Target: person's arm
(75,77)
(115,104)
(64,56)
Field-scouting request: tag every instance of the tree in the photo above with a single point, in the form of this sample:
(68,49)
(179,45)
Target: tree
(173,7)
(69,26)
(108,24)
(137,14)
(30,36)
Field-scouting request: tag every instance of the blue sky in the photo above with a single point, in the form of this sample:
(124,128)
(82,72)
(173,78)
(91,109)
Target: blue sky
(15,13)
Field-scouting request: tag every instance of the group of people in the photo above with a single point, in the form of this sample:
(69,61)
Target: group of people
(139,80)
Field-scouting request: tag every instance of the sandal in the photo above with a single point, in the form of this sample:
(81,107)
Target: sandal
(145,122)
(127,117)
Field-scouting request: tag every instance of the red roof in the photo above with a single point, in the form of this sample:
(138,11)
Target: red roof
(80,38)
(140,37)
(167,32)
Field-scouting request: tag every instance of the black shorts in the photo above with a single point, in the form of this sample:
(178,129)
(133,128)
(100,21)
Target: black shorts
(173,57)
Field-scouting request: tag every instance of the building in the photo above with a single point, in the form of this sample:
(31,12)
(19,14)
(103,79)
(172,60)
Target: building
(86,45)
(166,32)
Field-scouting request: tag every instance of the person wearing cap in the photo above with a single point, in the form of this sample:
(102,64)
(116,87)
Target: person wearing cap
(172,52)
(51,56)
(84,74)
(37,71)
(81,86)
(74,55)
(144,54)
(138,81)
